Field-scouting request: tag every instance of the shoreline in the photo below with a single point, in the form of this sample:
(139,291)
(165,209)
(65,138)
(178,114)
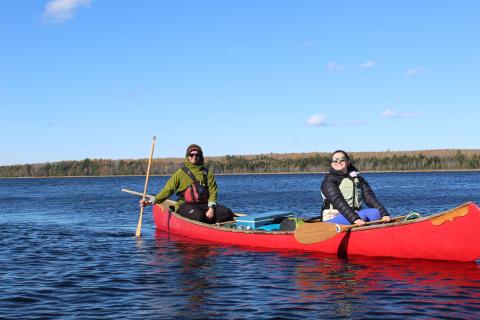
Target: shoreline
(244,174)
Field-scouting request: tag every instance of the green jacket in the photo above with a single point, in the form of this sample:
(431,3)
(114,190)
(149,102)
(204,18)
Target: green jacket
(180,181)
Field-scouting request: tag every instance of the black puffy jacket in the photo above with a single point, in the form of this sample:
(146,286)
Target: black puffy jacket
(331,191)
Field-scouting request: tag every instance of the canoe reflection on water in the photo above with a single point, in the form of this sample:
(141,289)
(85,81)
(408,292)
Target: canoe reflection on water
(393,286)
(313,281)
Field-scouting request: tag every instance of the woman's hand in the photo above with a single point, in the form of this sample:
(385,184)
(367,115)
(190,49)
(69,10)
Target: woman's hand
(386,218)
(359,222)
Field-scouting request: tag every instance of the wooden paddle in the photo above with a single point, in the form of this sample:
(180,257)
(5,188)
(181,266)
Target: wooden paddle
(139,225)
(314,232)
(167,202)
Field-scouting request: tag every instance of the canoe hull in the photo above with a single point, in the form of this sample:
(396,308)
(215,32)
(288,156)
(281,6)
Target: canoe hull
(451,235)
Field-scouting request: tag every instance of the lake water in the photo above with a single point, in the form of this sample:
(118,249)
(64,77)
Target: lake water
(68,251)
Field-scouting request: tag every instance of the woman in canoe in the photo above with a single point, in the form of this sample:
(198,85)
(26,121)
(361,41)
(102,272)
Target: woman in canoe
(345,192)
(196,188)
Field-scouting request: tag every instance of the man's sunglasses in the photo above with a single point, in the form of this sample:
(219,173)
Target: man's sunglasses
(191,155)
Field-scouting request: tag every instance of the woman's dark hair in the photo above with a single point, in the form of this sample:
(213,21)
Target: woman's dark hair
(346,154)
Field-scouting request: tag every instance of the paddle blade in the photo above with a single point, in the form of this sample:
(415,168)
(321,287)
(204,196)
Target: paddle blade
(314,232)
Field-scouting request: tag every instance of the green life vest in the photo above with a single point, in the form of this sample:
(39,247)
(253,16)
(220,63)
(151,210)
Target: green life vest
(352,191)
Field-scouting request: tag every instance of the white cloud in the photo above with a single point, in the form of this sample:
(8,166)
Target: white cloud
(59,11)
(389,113)
(333,66)
(318,120)
(368,64)
(392,113)
(414,71)
(309,44)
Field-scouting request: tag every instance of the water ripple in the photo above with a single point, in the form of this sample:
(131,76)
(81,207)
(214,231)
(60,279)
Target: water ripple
(64,259)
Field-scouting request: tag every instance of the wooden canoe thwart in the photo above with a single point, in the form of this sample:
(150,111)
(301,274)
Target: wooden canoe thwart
(449,235)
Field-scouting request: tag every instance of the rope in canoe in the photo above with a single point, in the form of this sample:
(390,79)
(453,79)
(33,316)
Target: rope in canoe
(412,215)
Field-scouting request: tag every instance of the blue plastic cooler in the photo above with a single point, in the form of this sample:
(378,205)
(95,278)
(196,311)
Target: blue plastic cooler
(255,220)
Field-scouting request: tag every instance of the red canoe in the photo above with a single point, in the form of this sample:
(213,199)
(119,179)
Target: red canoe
(449,235)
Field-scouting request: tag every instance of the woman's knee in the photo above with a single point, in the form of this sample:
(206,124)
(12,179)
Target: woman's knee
(370,214)
(339,218)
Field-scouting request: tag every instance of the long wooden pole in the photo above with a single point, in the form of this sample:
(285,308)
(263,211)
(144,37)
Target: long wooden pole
(139,225)
(135,193)
(171,203)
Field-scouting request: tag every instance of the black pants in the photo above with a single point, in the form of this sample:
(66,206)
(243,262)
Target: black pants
(197,212)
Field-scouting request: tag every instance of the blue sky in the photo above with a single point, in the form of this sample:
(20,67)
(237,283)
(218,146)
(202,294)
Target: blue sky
(99,78)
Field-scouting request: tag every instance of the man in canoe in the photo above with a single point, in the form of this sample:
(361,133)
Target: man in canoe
(196,188)
(344,192)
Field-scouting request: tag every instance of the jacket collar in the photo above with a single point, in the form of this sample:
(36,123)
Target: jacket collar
(351,168)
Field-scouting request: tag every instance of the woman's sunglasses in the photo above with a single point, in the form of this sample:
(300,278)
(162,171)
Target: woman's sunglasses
(338,160)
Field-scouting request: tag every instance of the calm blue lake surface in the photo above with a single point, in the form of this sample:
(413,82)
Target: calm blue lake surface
(68,251)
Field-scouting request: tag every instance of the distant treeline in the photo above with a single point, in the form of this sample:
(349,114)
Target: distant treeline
(267,163)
